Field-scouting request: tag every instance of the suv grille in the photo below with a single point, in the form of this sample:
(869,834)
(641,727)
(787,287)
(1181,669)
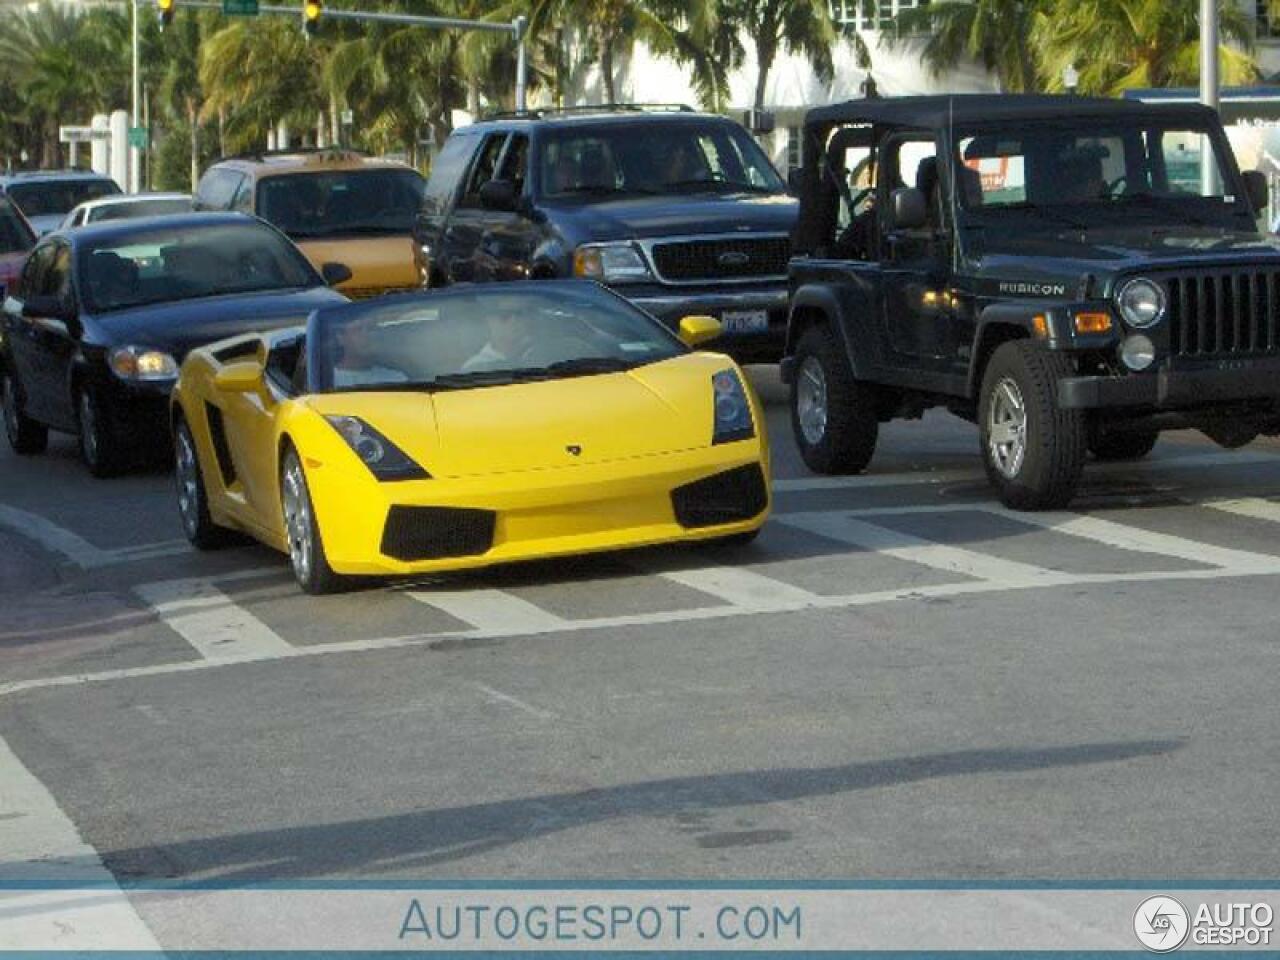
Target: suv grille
(731,258)
(1224,312)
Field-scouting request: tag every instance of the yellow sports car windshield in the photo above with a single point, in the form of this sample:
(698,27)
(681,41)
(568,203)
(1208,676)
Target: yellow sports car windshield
(465,339)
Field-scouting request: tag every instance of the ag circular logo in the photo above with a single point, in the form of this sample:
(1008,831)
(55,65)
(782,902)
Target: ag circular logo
(1161,924)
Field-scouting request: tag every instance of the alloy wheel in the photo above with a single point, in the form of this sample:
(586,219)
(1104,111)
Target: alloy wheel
(1007,428)
(297,520)
(811,401)
(188,480)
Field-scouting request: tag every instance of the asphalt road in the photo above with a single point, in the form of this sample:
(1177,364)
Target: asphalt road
(898,680)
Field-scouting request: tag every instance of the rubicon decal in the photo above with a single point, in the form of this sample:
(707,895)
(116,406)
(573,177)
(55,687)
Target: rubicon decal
(1031,288)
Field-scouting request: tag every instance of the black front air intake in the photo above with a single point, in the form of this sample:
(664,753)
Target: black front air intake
(729,497)
(434,533)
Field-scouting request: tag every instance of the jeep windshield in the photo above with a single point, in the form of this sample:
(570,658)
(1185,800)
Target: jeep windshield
(603,159)
(1078,173)
(335,203)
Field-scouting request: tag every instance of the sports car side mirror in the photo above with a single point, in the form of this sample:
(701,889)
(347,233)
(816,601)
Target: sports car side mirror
(335,273)
(698,329)
(244,376)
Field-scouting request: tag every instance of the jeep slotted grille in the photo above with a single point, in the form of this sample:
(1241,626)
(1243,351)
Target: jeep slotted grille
(728,258)
(1226,311)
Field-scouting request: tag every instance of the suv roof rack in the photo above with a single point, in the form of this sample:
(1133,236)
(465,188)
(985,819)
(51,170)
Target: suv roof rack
(539,113)
(294,152)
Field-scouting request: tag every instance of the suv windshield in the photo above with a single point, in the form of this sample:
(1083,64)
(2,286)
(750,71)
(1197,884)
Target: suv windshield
(163,265)
(601,158)
(15,236)
(465,339)
(41,198)
(1138,164)
(342,202)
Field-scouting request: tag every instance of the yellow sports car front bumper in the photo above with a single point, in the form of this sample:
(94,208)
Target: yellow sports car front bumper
(420,526)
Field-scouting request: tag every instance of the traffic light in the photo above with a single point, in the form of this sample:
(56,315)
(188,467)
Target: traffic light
(165,9)
(311,10)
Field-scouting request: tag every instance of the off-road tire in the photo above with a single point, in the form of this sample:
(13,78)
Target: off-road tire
(1054,441)
(26,436)
(847,439)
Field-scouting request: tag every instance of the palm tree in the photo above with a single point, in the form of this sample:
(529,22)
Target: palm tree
(1120,44)
(614,26)
(180,89)
(996,33)
(797,27)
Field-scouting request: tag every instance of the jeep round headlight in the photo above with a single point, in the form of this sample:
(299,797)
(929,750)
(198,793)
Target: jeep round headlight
(1142,303)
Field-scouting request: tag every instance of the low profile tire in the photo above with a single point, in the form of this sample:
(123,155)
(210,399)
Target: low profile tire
(306,550)
(99,448)
(193,500)
(1114,446)
(1033,450)
(26,437)
(833,415)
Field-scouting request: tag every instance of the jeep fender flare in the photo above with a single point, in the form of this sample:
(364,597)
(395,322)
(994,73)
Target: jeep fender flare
(998,323)
(812,305)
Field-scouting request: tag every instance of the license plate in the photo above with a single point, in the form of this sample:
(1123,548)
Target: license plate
(745,321)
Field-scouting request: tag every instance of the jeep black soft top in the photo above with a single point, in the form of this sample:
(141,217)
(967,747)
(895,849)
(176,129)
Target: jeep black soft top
(1073,274)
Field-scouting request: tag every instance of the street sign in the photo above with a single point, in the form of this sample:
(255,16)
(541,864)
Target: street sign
(240,8)
(82,134)
(138,137)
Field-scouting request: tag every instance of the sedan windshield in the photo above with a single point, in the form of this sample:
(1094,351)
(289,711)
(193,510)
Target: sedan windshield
(675,157)
(341,203)
(478,338)
(160,265)
(1165,169)
(15,236)
(41,198)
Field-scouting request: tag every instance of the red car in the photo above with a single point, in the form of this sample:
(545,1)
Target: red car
(16,240)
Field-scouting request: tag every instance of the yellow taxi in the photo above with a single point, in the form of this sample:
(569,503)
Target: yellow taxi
(338,205)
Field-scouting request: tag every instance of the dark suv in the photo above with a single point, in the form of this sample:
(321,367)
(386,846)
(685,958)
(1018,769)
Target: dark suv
(681,212)
(45,197)
(1072,274)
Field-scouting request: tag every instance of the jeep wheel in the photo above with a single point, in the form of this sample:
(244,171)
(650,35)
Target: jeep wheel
(1033,450)
(833,416)
(1119,445)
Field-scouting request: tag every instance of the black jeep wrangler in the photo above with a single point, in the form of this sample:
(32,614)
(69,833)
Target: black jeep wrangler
(1075,275)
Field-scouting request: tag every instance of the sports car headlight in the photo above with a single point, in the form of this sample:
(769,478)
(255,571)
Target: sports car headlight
(1142,303)
(732,409)
(142,365)
(609,262)
(384,459)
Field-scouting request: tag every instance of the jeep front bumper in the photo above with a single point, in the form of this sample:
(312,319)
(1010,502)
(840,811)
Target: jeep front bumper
(1169,389)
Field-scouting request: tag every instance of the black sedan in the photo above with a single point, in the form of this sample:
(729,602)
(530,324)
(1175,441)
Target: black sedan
(100,318)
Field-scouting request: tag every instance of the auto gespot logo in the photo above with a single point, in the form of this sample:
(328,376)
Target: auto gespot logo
(1162,924)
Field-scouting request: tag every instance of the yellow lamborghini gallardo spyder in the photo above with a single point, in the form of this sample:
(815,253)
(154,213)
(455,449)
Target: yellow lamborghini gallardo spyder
(467,427)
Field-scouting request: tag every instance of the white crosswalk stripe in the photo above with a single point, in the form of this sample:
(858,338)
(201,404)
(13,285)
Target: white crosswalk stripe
(1255,508)
(490,610)
(904,546)
(217,627)
(741,587)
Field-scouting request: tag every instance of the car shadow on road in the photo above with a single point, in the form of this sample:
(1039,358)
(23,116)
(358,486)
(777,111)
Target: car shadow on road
(434,837)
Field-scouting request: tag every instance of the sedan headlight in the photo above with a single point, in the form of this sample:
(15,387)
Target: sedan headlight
(732,409)
(609,262)
(384,459)
(1142,303)
(142,365)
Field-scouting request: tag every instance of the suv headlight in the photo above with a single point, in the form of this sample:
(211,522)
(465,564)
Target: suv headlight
(1142,302)
(384,459)
(609,262)
(142,365)
(732,409)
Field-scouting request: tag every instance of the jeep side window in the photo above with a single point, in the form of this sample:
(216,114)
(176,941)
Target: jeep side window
(849,184)
(911,161)
(482,172)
